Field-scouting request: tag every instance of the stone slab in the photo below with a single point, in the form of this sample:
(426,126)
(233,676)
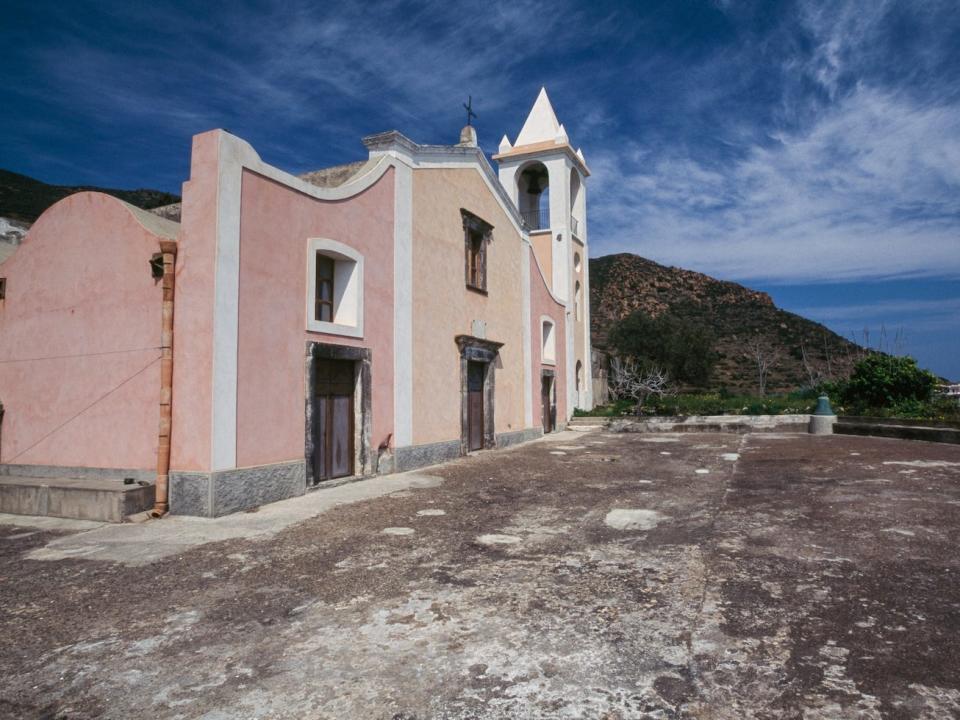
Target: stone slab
(76,498)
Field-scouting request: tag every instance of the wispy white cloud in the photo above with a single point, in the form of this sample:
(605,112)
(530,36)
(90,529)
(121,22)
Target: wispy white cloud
(889,309)
(303,61)
(861,182)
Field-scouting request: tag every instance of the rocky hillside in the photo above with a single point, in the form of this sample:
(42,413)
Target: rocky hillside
(740,318)
(24,198)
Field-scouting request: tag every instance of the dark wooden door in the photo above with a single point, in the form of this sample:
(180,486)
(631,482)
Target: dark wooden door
(545,404)
(333,424)
(475,373)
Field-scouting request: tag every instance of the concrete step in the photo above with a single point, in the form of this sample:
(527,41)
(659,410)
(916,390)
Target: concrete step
(103,499)
(588,421)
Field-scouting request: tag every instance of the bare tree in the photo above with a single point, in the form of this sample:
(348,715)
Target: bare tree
(813,375)
(900,341)
(861,349)
(630,381)
(828,356)
(765,355)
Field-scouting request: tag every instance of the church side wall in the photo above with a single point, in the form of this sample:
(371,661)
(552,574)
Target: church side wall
(443,307)
(276,223)
(79,340)
(542,303)
(542,243)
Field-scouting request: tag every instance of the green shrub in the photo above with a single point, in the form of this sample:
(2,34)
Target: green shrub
(711,404)
(681,347)
(885,381)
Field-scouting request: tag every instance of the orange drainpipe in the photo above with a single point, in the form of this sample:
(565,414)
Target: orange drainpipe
(169,250)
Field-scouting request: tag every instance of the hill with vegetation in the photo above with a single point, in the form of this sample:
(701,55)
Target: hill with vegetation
(747,328)
(23,198)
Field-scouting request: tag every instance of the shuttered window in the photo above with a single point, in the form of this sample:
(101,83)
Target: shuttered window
(323,299)
(477,236)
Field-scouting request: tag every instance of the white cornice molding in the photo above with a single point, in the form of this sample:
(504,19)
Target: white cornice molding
(396,144)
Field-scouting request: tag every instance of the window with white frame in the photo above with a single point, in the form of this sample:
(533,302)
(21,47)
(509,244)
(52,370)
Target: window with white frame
(549,341)
(334,288)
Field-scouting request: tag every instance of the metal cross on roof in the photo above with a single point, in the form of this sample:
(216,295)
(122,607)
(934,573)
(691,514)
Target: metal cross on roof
(468,106)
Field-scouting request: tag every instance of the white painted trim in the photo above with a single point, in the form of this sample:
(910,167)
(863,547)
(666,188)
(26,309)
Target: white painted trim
(348,284)
(403,306)
(544,345)
(394,144)
(585,259)
(570,329)
(235,155)
(525,311)
(226,306)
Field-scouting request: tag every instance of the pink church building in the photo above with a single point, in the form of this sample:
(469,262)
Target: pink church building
(276,333)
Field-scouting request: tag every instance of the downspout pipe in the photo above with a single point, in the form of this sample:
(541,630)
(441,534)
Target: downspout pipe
(168,248)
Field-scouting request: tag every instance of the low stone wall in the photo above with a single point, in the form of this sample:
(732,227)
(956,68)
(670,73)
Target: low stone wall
(928,430)
(702,423)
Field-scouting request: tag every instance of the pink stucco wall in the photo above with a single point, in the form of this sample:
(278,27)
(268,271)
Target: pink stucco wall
(193,315)
(542,303)
(79,336)
(276,223)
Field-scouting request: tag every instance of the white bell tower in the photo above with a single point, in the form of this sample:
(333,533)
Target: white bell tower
(546,179)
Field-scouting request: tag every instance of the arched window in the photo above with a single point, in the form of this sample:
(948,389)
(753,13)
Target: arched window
(334,288)
(533,185)
(576,204)
(576,301)
(549,341)
(579,376)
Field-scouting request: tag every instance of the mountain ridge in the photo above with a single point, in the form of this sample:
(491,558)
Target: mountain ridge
(801,352)
(24,198)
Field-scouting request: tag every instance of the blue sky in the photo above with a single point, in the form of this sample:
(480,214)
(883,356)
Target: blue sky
(809,149)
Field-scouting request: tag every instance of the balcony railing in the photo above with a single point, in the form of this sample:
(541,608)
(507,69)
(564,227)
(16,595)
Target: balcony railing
(537,219)
(575,226)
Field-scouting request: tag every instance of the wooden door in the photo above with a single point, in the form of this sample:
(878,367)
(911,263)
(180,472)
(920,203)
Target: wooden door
(545,404)
(475,373)
(333,423)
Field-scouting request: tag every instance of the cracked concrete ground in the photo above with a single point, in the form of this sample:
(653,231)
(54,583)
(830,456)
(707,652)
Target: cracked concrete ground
(629,576)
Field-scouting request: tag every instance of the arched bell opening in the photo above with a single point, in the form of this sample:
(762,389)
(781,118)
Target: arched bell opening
(533,185)
(576,203)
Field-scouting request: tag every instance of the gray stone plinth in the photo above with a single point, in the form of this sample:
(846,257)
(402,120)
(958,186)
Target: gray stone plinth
(228,491)
(518,436)
(418,456)
(822,424)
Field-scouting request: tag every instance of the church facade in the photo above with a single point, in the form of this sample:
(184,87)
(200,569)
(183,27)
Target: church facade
(296,332)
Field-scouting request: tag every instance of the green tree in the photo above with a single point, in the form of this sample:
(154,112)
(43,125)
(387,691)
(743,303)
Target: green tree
(880,381)
(680,346)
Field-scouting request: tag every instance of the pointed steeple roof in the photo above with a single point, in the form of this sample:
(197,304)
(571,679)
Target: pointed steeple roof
(541,133)
(541,124)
